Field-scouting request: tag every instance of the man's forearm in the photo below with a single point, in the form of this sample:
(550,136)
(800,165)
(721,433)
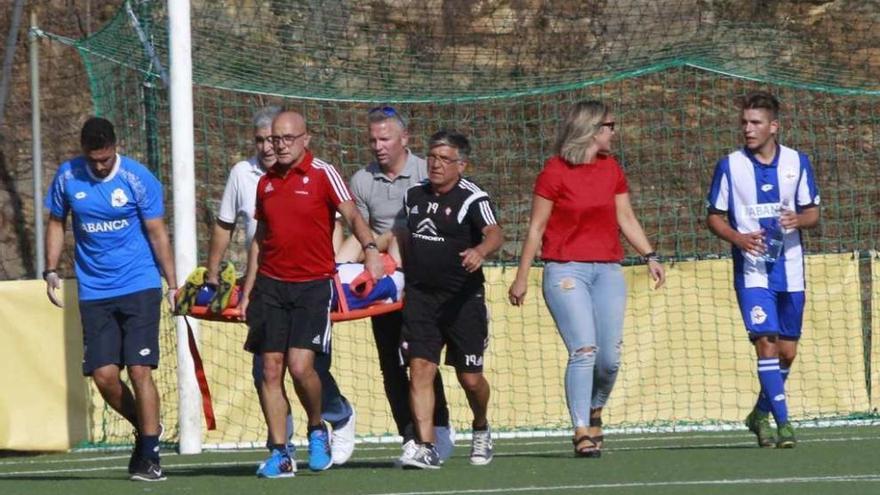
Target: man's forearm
(719,226)
(54,243)
(492,241)
(161,244)
(250,276)
(221,236)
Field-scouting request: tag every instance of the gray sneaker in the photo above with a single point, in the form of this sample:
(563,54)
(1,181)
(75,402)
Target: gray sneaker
(424,458)
(409,450)
(482,447)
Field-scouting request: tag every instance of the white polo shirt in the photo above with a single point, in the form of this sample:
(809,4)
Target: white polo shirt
(240,196)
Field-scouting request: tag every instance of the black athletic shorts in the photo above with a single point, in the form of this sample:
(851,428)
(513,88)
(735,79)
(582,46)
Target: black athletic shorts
(122,330)
(459,320)
(282,315)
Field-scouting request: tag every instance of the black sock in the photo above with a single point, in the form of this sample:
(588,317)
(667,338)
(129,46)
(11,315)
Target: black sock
(150,447)
(280,447)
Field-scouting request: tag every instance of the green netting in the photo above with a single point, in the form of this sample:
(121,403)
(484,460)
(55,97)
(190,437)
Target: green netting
(504,73)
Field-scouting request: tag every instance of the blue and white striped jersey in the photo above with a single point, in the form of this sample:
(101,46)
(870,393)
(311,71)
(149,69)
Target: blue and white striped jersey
(751,194)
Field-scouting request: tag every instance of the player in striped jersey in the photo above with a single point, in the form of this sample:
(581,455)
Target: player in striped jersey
(452,230)
(761,187)
(288,287)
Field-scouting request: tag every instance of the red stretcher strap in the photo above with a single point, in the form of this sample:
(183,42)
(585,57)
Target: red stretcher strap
(340,295)
(207,406)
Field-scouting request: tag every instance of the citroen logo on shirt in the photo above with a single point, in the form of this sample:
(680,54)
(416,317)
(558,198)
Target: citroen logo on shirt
(426,226)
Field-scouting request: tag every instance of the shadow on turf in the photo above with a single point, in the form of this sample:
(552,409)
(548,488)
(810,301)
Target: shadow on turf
(240,470)
(249,470)
(710,447)
(570,455)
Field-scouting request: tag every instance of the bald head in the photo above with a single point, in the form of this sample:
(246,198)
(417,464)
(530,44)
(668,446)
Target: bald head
(291,119)
(290,139)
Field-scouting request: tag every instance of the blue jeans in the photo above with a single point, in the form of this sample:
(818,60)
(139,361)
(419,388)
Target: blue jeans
(587,302)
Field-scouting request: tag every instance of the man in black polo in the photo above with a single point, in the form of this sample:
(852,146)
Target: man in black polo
(452,230)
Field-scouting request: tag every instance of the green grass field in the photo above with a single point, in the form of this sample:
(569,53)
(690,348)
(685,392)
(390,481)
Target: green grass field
(843,460)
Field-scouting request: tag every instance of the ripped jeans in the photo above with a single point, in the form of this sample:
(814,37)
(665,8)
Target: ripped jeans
(587,301)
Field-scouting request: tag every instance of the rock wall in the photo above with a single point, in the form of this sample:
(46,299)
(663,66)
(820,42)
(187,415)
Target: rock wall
(823,26)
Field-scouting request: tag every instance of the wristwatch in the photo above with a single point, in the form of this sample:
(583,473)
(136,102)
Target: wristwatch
(652,256)
(47,272)
(371,245)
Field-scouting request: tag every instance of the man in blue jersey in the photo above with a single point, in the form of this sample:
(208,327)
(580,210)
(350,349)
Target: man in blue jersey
(121,246)
(760,192)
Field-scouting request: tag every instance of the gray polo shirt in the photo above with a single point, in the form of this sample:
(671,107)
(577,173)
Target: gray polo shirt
(379,198)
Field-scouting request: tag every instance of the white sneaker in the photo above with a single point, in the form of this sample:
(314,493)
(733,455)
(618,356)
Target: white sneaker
(482,448)
(409,452)
(424,458)
(342,445)
(444,440)
(291,447)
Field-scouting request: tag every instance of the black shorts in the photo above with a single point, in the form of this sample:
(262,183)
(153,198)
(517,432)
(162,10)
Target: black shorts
(459,320)
(282,315)
(121,330)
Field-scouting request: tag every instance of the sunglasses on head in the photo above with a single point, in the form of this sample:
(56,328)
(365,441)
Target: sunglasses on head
(389,111)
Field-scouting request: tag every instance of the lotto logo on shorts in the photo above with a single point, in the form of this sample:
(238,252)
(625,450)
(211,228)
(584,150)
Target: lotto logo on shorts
(758,315)
(473,360)
(144,352)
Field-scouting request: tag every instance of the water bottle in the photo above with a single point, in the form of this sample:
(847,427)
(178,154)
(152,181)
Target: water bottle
(772,241)
(785,206)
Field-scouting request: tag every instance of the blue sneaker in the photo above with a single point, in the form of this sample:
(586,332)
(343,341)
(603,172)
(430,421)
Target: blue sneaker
(278,465)
(319,450)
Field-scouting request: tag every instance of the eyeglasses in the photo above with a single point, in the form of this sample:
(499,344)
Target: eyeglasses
(444,160)
(609,125)
(287,139)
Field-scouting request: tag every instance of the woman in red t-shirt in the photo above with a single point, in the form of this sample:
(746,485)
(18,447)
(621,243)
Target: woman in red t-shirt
(580,203)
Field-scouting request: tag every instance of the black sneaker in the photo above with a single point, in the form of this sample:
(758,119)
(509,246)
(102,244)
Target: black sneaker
(424,458)
(136,452)
(147,470)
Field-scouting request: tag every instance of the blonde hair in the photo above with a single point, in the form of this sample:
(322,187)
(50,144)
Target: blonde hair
(583,121)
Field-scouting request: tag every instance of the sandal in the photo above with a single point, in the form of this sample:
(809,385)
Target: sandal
(599,439)
(593,449)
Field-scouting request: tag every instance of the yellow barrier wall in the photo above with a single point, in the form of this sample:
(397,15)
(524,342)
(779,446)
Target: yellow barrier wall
(875,331)
(43,397)
(685,358)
